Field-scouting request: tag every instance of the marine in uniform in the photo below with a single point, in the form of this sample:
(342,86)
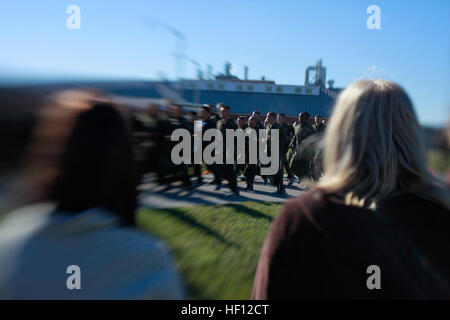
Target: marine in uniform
(251,169)
(273,125)
(289,132)
(303,154)
(225,170)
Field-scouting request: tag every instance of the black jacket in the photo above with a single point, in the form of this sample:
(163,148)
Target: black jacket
(320,248)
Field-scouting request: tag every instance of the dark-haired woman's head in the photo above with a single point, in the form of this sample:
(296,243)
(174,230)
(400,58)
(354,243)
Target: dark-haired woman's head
(82,156)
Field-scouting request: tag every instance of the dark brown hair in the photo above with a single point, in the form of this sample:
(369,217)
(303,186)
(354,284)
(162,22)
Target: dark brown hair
(96,166)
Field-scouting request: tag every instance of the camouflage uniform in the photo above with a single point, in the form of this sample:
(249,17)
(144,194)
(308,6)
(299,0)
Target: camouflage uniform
(180,171)
(156,128)
(289,132)
(318,157)
(226,170)
(251,169)
(300,163)
(148,137)
(319,128)
(214,118)
(278,177)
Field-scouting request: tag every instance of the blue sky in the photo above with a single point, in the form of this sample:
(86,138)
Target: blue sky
(277,39)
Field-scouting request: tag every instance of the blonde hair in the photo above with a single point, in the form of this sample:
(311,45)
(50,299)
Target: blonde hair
(374,147)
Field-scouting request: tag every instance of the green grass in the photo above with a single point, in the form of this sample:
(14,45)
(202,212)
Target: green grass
(216,248)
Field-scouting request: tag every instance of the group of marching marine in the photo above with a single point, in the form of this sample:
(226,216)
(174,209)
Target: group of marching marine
(299,152)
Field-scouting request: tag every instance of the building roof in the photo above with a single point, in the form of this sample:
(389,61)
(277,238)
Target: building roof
(246,102)
(241,102)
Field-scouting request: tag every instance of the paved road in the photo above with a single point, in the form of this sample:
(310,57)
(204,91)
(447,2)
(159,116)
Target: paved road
(153,196)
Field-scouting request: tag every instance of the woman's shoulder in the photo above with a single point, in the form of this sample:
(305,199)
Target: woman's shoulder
(316,199)
(318,214)
(415,202)
(299,213)
(113,257)
(415,211)
(102,224)
(315,204)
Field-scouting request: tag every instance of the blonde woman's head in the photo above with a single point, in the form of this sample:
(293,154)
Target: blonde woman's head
(374,147)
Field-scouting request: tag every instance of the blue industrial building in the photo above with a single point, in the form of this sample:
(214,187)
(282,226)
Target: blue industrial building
(241,95)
